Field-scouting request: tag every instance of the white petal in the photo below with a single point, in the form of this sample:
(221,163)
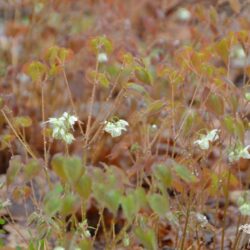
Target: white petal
(116,132)
(213,135)
(122,123)
(203,143)
(102,57)
(245,209)
(72,119)
(244,153)
(232,157)
(68,138)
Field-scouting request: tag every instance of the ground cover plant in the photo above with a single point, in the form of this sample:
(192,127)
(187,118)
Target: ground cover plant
(124,124)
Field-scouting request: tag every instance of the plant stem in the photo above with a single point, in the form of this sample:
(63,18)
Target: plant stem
(87,132)
(71,100)
(44,137)
(225,210)
(26,146)
(186,225)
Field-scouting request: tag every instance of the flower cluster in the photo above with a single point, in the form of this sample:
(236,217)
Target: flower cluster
(102,58)
(62,126)
(245,209)
(245,228)
(115,128)
(201,219)
(204,140)
(239,152)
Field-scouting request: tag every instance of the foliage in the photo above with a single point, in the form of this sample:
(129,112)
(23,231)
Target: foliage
(126,139)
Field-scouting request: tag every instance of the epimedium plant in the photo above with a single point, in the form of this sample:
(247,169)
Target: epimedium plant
(187,113)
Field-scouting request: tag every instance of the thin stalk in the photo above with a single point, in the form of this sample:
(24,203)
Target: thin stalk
(71,100)
(44,137)
(113,242)
(173,108)
(91,106)
(185,227)
(225,210)
(115,106)
(122,232)
(104,227)
(237,235)
(18,136)
(14,227)
(98,224)
(87,132)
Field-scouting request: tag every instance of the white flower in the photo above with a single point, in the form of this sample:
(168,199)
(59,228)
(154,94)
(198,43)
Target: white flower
(115,128)
(102,58)
(126,241)
(68,138)
(203,143)
(245,209)
(183,14)
(238,153)
(204,140)
(238,52)
(5,203)
(245,228)
(247,96)
(87,234)
(70,119)
(154,126)
(61,127)
(202,219)
(59,248)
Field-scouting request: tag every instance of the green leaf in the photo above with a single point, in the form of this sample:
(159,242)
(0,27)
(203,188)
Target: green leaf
(69,204)
(51,55)
(215,104)
(247,96)
(155,106)
(84,186)
(112,199)
(138,88)
(86,244)
(36,71)
(103,80)
(228,122)
(68,168)
(163,173)
(14,168)
(1,103)
(53,205)
(127,59)
(159,204)
(6,140)
(141,198)
(143,75)
(101,44)
(107,198)
(63,54)
(22,121)
(223,48)
(57,165)
(2,221)
(184,173)
(234,102)
(215,183)
(189,122)
(239,129)
(147,237)
(73,169)
(52,201)
(129,206)
(31,169)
